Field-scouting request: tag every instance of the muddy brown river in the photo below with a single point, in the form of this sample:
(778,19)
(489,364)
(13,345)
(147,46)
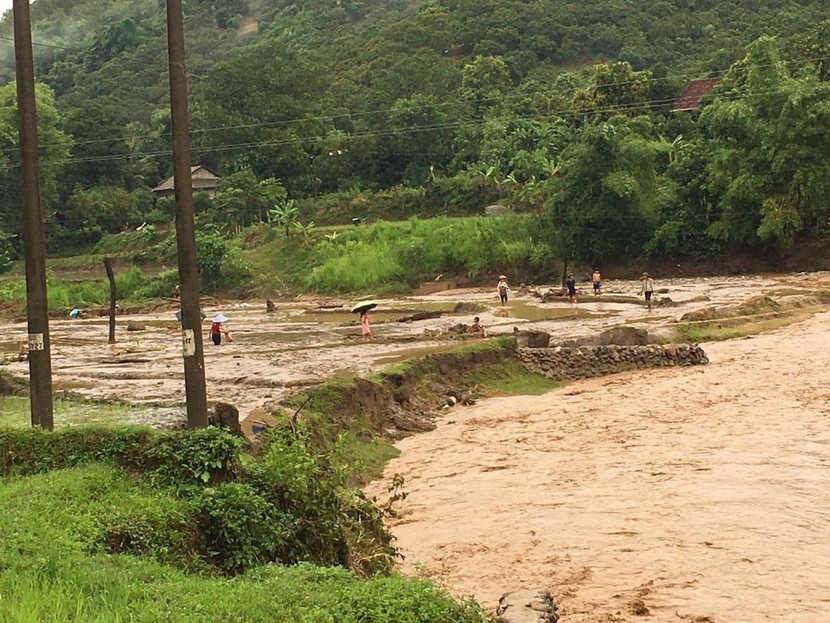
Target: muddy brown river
(682,494)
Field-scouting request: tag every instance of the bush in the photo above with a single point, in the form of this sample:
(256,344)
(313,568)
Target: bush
(184,458)
(210,253)
(162,285)
(239,528)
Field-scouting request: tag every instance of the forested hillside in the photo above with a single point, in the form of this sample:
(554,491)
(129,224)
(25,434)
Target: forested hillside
(330,110)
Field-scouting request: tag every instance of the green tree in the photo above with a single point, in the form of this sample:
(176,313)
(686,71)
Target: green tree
(484,80)
(54,149)
(600,200)
(211,249)
(419,136)
(242,200)
(770,170)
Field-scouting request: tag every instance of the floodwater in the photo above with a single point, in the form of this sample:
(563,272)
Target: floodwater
(679,494)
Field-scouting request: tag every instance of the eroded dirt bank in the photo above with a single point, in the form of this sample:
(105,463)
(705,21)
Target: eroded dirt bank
(687,494)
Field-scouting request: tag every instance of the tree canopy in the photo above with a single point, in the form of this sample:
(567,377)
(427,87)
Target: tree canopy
(559,109)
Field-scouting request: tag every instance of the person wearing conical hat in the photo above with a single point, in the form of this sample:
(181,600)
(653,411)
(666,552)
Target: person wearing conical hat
(217,328)
(502,288)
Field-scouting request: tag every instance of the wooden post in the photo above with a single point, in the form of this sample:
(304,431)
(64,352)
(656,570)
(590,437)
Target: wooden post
(111,278)
(194,359)
(37,314)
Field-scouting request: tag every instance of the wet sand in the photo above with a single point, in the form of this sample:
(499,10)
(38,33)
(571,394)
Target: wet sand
(688,494)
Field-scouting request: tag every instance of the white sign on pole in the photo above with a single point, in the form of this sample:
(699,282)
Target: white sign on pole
(188,343)
(36,341)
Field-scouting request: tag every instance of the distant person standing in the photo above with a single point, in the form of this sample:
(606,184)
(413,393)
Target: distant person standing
(364,325)
(503,289)
(570,284)
(596,278)
(647,288)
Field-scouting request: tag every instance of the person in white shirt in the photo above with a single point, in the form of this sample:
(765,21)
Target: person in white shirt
(503,289)
(647,288)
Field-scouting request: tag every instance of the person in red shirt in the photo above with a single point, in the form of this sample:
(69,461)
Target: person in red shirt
(217,328)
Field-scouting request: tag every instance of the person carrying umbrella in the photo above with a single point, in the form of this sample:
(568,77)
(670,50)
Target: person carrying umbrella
(363,309)
(217,328)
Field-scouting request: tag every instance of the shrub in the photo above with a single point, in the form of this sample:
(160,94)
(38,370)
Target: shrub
(183,458)
(239,528)
(210,253)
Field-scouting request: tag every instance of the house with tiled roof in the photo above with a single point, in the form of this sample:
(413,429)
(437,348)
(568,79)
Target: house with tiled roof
(693,94)
(203,180)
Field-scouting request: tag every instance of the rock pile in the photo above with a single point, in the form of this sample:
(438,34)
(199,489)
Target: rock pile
(527,606)
(563,363)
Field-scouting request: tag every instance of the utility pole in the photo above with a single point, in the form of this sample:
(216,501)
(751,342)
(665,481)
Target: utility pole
(40,362)
(194,356)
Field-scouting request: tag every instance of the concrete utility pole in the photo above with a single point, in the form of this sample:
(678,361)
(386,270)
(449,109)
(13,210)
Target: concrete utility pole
(40,362)
(194,357)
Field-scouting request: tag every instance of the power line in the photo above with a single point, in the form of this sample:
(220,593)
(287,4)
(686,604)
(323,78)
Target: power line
(44,45)
(564,114)
(461,102)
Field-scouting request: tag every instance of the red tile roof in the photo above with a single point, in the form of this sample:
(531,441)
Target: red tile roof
(694,93)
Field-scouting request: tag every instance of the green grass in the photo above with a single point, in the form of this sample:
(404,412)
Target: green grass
(364,460)
(721,330)
(387,257)
(15,412)
(511,377)
(57,566)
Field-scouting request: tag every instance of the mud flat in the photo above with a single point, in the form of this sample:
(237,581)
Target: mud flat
(307,342)
(686,494)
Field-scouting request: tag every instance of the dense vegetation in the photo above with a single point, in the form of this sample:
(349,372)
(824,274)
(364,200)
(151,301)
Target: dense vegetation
(320,112)
(131,525)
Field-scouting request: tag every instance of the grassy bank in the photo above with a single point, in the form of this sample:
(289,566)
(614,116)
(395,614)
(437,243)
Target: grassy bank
(394,257)
(130,524)
(359,418)
(738,328)
(133,525)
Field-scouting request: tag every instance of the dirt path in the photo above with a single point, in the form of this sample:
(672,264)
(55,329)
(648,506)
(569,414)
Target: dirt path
(690,494)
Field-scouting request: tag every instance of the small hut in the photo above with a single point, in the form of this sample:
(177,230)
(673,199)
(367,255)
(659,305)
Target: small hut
(203,180)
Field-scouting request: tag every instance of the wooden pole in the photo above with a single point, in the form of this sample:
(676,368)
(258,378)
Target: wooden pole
(37,313)
(194,358)
(111,278)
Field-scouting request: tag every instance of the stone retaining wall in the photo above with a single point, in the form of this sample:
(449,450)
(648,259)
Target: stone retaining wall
(527,606)
(562,363)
